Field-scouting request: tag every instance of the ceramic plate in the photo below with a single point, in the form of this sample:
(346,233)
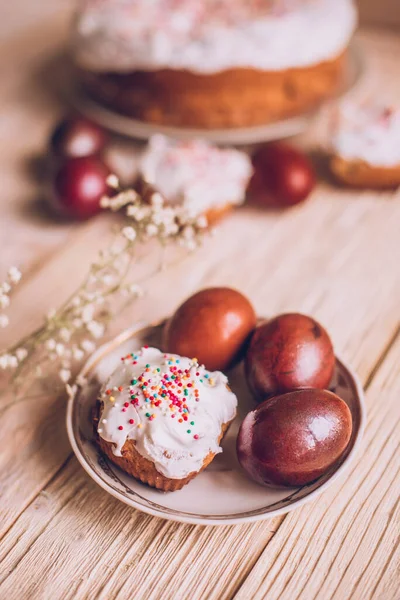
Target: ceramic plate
(244,135)
(220,495)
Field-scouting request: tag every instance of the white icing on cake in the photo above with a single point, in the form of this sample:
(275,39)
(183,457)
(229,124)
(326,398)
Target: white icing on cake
(175,431)
(195,174)
(369,133)
(212,36)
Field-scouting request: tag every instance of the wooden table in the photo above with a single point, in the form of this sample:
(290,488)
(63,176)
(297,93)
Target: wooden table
(336,257)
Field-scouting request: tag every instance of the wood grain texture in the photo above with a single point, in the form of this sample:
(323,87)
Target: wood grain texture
(335,257)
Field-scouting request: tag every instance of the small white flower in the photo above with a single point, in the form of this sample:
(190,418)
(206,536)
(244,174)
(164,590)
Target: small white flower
(188,233)
(60,349)
(65,375)
(88,346)
(129,233)
(51,314)
(107,280)
(189,244)
(12,361)
(138,212)
(202,222)
(76,301)
(136,290)
(96,329)
(77,353)
(157,200)
(105,202)
(131,211)
(4,301)
(171,229)
(51,344)
(87,313)
(65,334)
(77,323)
(21,354)
(151,230)
(112,181)
(14,275)
(4,361)
(5,288)
(4,321)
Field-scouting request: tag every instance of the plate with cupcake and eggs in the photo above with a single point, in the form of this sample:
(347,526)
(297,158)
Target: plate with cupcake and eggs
(214,416)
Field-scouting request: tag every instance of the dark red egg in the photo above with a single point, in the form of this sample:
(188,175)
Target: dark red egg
(76,137)
(283,176)
(78,186)
(212,326)
(293,439)
(290,352)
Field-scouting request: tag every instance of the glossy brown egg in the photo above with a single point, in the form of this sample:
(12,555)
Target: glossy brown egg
(293,439)
(290,352)
(213,326)
(283,176)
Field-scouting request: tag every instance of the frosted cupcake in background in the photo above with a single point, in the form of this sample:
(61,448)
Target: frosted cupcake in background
(205,180)
(365,144)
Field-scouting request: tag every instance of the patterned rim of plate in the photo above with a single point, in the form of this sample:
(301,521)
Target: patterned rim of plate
(131,497)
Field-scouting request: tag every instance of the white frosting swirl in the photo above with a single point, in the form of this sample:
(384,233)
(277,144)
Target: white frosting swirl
(369,133)
(173,408)
(195,174)
(212,36)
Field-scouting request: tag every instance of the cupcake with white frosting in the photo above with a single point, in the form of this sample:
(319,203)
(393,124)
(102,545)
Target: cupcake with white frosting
(203,179)
(366,145)
(161,417)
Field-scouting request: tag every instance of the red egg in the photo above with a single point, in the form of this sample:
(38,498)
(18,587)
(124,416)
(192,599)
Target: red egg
(290,352)
(283,176)
(293,439)
(76,137)
(79,184)
(212,326)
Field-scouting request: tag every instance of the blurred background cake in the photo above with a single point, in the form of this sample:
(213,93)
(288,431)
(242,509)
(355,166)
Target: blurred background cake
(214,63)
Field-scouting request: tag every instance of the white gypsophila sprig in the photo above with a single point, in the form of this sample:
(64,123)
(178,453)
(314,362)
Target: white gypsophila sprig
(72,331)
(6,287)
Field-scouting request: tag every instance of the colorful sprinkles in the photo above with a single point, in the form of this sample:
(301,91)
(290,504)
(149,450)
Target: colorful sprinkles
(168,391)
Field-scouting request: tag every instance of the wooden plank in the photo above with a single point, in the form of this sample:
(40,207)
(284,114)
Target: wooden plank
(114,551)
(345,544)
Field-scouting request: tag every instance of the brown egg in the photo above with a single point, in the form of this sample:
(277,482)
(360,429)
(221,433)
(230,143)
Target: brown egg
(290,352)
(293,439)
(213,326)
